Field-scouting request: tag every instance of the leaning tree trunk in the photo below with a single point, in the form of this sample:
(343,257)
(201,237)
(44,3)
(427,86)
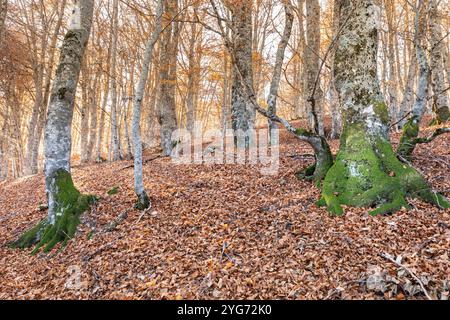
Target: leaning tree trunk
(367,172)
(65,202)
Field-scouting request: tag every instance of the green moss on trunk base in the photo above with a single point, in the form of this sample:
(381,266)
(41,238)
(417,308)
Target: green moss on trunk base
(68,205)
(408,141)
(143,202)
(368,173)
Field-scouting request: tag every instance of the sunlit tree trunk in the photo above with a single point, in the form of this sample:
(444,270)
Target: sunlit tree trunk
(115,141)
(194,59)
(43,72)
(65,203)
(84,113)
(143,201)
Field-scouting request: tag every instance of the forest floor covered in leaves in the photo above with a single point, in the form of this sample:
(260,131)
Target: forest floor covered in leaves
(228,232)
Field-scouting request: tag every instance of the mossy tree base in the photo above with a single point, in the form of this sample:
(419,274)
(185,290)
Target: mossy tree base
(143,202)
(368,173)
(68,205)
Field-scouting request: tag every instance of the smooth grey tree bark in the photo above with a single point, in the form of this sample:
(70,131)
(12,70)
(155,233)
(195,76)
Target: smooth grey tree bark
(336,117)
(65,202)
(276,77)
(391,60)
(411,128)
(314,90)
(115,141)
(143,201)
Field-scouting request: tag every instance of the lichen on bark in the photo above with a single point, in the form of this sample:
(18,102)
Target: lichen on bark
(68,204)
(367,172)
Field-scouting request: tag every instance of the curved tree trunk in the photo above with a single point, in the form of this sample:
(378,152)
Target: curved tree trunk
(65,203)
(367,172)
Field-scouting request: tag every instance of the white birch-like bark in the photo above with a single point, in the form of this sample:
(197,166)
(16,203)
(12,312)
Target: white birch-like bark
(143,200)
(58,141)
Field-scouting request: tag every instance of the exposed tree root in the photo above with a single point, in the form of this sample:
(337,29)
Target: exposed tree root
(369,174)
(70,205)
(410,138)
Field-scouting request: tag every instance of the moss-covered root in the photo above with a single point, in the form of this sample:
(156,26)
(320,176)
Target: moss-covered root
(408,141)
(323,155)
(369,174)
(143,202)
(69,205)
(307,173)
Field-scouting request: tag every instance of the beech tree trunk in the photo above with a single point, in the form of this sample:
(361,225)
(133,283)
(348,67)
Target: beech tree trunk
(336,117)
(115,141)
(367,172)
(168,68)
(143,201)
(275,84)
(65,203)
(314,90)
(242,113)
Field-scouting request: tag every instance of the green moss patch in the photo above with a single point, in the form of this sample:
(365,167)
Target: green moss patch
(69,205)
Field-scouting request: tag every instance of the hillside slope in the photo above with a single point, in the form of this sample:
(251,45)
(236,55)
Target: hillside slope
(222,232)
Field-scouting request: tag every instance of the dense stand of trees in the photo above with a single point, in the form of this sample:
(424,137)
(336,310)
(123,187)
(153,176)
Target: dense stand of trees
(370,66)
(192,77)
